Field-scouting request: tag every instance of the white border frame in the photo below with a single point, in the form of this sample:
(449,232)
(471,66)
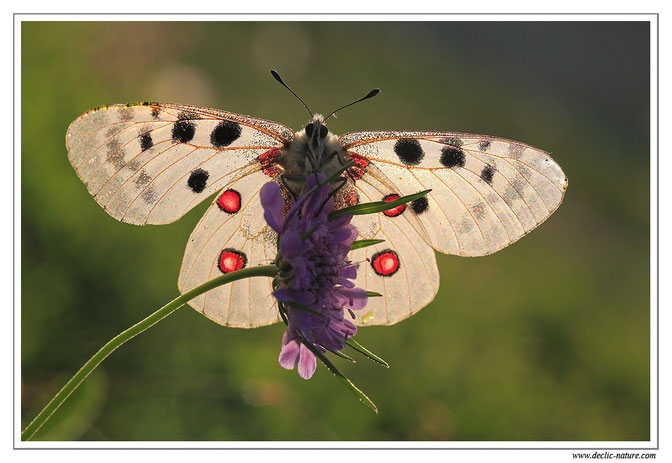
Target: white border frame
(589,447)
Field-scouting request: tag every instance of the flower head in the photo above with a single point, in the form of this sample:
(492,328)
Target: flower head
(315,279)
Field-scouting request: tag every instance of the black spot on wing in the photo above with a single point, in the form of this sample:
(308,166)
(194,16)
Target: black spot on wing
(452,156)
(146,141)
(115,153)
(125,113)
(113,131)
(183,131)
(453,141)
(465,224)
(483,145)
(142,180)
(516,150)
(519,182)
(479,210)
(510,194)
(409,151)
(225,133)
(149,196)
(198,180)
(188,116)
(420,205)
(487,173)
(133,166)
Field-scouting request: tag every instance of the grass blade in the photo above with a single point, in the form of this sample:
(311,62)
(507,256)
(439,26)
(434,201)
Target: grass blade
(376,206)
(366,352)
(342,355)
(349,384)
(364,243)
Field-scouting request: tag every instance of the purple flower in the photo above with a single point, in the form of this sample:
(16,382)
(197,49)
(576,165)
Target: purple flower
(314,283)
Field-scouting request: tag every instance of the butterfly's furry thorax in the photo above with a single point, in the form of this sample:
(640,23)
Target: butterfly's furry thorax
(313,149)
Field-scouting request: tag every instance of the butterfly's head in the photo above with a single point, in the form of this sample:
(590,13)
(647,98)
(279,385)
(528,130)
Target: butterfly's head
(319,140)
(316,130)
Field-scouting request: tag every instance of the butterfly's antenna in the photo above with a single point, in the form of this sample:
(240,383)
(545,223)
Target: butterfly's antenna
(371,94)
(279,79)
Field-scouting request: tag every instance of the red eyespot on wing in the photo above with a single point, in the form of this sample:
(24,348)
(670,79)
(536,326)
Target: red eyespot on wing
(269,164)
(395,211)
(229,201)
(231,260)
(358,169)
(385,263)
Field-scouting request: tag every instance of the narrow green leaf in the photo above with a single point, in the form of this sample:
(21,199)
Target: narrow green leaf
(376,206)
(342,355)
(350,385)
(373,294)
(364,243)
(366,352)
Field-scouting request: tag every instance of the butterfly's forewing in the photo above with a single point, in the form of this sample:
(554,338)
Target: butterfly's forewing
(486,192)
(232,235)
(394,268)
(151,162)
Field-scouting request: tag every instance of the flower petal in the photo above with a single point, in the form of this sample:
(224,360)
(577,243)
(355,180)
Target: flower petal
(273,204)
(290,352)
(312,207)
(313,180)
(349,271)
(307,363)
(353,298)
(292,245)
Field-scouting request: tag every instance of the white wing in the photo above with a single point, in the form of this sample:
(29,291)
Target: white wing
(487,192)
(152,162)
(396,268)
(231,235)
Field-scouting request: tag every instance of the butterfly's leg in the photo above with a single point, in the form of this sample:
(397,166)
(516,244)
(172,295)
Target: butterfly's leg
(342,161)
(343,181)
(327,158)
(284,178)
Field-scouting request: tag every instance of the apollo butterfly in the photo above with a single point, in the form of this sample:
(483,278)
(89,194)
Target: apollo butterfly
(150,163)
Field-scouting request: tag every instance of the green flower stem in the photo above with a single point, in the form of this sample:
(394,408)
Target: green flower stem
(112,345)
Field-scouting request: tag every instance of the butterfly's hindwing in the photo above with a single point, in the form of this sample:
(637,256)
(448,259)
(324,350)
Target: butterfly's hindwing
(486,192)
(392,268)
(232,235)
(151,163)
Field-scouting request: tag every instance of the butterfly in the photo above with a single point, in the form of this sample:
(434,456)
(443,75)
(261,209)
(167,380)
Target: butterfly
(150,163)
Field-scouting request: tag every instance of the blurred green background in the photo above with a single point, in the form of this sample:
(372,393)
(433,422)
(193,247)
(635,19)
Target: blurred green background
(545,340)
